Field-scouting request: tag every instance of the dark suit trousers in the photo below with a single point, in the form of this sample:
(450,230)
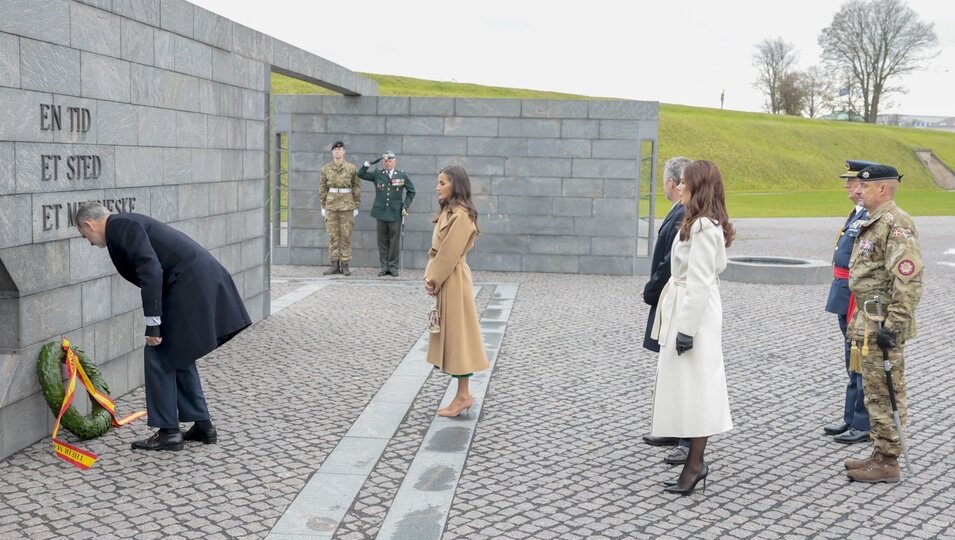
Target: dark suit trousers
(172,396)
(389,236)
(855,414)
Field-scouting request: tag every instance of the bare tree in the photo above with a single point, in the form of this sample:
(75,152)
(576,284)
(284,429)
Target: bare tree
(792,93)
(773,59)
(875,41)
(819,91)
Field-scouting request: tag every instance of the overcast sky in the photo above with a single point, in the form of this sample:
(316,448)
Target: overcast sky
(673,51)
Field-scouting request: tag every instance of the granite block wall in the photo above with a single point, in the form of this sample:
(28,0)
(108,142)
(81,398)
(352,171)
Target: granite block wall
(556,183)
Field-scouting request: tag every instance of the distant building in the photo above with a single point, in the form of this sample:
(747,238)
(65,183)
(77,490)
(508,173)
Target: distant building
(843,116)
(940,123)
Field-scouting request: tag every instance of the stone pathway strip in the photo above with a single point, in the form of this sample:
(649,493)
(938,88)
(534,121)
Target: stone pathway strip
(322,504)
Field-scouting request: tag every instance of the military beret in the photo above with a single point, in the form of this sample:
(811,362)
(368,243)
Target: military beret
(388,155)
(879,172)
(338,144)
(854,166)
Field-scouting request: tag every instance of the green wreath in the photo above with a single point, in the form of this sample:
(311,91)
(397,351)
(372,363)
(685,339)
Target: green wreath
(50,375)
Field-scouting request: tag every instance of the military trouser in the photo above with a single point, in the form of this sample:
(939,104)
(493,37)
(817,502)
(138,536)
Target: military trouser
(389,235)
(883,432)
(340,224)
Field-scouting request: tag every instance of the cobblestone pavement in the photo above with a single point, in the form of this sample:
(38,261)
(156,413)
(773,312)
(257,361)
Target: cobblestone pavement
(557,452)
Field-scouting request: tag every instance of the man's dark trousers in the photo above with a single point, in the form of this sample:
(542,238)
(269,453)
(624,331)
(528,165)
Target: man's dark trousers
(162,386)
(855,414)
(389,234)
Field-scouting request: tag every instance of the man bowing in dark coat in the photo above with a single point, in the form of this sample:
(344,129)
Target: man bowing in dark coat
(190,304)
(660,274)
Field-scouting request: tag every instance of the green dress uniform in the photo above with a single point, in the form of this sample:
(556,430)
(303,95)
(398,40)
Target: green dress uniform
(886,262)
(340,193)
(393,195)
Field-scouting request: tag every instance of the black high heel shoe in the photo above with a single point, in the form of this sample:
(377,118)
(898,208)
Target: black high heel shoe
(675,488)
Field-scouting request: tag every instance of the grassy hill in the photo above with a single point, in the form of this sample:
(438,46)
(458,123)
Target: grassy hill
(773,165)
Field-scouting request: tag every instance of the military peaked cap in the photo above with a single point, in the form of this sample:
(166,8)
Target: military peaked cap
(338,144)
(879,172)
(854,167)
(388,155)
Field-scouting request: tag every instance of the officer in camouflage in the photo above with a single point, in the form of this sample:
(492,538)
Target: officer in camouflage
(886,262)
(340,193)
(393,195)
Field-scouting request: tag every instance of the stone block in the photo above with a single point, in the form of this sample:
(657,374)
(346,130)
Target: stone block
(94,30)
(620,189)
(117,123)
(607,246)
(303,199)
(255,134)
(627,149)
(118,335)
(213,29)
(582,129)
(573,206)
(96,300)
(414,125)
(139,200)
(224,132)
(51,313)
(88,262)
(123,296)
(254,104)
(562,264)
(530,127)
(209,97)
(193,201)
(497,146)
(424,168)
(582,187)
(605,226)
(393,105)
(145,11)
(306,124)
(49,68)
(192,129)
(251,43)
(617,266)
(223,197)
(138,165)
(162,88)
(253,253)
(192,57)
(559,245)
(349,105)
(431,106)
(490,107)
(605,168)
(115,374)
(105,77)
(177,16)
(526,185)
(230,99)
(553,108)
(164,50)
(9,60)
(251,194)
(615,207)
(57,175)
(41,19)
(477,127)
(253,164)
(206,165)
(312,238)
(373,125)
(369,147)
(16,227)
(624,110)
(621,129)
(230,256)
(502,243)
(18,116)
(8,178)
(38,267)
(305,103)
(157,127)
(280,54)
(134,366)
(477,165)
(23,422)
(496,262)
(101,4)
(528,166)
(528,206)
(70,135)
(440,145)
(549,225)
(164,203)
(176,165)
(564,148)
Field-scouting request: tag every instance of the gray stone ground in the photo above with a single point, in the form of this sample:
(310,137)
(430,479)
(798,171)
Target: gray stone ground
(557,452)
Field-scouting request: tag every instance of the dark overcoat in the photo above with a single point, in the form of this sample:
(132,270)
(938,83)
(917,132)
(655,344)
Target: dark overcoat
(838,301)
(181,282)
(392,195)
(660,269)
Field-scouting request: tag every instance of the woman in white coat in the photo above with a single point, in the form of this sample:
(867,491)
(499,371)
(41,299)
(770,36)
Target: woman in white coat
(690,398)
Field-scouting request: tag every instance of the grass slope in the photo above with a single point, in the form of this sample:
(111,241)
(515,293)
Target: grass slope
(774,165)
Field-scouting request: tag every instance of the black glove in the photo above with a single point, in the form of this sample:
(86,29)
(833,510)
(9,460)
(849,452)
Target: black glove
(376,161)
(886,338)
(683,343)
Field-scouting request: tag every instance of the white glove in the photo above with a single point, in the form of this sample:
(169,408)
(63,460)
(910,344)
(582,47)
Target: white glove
(323,213)
(367,164)
(354,213)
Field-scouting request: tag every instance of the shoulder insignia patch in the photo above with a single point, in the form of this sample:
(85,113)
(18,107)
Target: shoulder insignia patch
(906,267)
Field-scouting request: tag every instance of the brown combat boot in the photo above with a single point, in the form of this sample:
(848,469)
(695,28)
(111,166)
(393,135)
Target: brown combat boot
(880,469)
(345,270)
(856,463)
(335,269)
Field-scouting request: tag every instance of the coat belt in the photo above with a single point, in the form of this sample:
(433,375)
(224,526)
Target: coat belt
(671,316)
(339,190)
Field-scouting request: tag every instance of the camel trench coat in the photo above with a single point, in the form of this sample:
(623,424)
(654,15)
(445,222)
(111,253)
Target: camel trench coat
(458,348)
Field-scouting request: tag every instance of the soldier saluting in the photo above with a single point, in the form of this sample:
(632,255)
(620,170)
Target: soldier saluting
(886,263)
(393,195)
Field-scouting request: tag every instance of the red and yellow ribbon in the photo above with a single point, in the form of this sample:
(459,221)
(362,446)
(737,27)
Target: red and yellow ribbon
(69,453)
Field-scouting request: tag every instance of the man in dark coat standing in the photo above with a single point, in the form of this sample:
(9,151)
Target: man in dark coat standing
(659,275)
(190,304)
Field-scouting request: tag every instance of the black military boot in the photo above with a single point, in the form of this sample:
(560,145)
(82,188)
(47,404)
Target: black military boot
(335,269)
(345,270)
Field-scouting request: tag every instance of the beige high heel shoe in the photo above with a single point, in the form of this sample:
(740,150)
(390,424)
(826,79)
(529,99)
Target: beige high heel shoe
(453,410)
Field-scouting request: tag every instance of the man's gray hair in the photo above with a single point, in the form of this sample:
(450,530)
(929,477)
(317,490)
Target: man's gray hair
(673,168)
(90,211)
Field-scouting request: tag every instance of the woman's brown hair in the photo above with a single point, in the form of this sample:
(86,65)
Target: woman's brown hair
(460,193)
(707,199)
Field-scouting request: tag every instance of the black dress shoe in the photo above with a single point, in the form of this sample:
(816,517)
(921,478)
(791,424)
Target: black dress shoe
(660,441)
(836,428)
(383,273)
(677,456)
(205,437)
(852,436)
(675,488)
(394,273)
(160,441)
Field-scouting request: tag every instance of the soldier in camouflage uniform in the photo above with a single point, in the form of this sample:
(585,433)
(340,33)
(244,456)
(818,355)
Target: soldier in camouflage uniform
(340,194)
(886,262)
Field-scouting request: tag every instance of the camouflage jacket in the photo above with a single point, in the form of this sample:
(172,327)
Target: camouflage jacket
(886,262)
(344,176)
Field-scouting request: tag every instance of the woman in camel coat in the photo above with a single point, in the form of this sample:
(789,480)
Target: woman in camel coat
(690,399)
(457,349)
